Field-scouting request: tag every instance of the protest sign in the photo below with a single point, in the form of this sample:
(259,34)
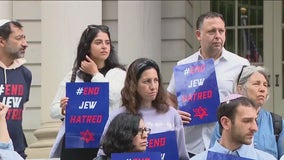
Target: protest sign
(197,90)
(136,156)
(86,114)
(165,142)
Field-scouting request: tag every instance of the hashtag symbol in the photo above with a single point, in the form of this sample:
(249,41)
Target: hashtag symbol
(186,71)
(79,91)
(2,89)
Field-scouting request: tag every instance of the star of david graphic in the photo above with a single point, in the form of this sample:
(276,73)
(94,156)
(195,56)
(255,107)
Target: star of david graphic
(200,112)
(87,136)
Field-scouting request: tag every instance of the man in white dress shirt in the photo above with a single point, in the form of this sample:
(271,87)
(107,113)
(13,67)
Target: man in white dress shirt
(210,32)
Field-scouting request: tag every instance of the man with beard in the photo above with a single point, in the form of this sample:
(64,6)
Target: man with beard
(237,117)
(15,79)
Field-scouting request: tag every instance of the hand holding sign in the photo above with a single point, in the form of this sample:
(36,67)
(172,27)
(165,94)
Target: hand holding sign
(63,104)
(185,116)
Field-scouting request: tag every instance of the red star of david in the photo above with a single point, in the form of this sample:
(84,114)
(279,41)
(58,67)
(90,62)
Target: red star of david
(87,136)
(200,112)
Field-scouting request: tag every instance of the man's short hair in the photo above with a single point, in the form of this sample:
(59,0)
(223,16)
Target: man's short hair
(201,18)
(5,29)
(229,107)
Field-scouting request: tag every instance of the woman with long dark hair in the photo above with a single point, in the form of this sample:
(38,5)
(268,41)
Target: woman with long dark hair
(143,93)
(96,61)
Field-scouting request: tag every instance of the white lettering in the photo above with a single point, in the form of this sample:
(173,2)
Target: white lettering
(88,105)
(163,156)
(196,82)
(13,102)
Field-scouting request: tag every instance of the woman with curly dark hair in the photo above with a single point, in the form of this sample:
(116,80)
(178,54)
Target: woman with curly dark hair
(143,93)
(126,133)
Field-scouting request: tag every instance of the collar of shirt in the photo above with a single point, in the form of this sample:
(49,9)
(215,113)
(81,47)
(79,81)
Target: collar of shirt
(243,151)
(224,55)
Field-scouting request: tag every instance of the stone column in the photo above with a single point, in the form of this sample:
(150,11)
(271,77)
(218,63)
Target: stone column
(6,9)
(139,30)
(62,25)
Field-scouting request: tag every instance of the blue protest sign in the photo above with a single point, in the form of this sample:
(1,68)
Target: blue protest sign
(220,156)
(165,142)
(136,156)
(197,90)
(86,114)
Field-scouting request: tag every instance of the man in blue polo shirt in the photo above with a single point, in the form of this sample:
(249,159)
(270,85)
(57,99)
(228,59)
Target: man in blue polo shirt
(237,118)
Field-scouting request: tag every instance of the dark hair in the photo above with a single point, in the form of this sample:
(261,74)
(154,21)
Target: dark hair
(120,133)
(84,46)
(5,30)
(201,18)
(229,108)
(130,97)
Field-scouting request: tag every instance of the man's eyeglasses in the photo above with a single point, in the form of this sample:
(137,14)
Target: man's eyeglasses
(144,130)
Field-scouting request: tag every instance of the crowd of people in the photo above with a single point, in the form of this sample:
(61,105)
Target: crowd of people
(139,106)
